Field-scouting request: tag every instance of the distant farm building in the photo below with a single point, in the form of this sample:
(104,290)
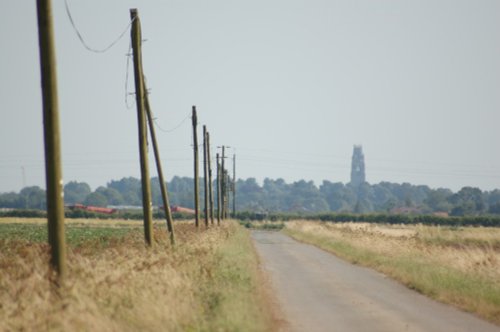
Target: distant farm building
(90,208)
(180,209)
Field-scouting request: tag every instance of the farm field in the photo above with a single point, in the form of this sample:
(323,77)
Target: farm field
(209,281)
(459,265)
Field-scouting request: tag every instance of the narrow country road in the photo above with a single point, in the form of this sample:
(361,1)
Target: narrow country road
(319,292)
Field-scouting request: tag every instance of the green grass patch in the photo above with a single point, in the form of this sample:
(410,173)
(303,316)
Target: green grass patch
(467,291)
(233,295)
(76,235)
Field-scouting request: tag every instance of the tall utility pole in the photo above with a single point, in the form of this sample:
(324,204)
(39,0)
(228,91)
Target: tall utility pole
(196,189)
(141,119)
(163,185)
(51,131)
(218,189)
(234,185)
(223,185)
(210,188)
(205,173)
(227,187)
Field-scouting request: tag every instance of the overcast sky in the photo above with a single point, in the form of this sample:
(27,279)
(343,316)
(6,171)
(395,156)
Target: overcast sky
(292,85)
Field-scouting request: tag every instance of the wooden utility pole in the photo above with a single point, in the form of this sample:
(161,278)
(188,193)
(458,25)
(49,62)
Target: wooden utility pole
(210,188)
(163,185)
(141,119)
(218,189)
(234,185)
(205,173)
(53,171)
(227,184)
(196,189)
(223,185)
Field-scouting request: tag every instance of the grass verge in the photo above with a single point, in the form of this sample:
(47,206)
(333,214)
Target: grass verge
(234,297)
(473,292)
(208,282)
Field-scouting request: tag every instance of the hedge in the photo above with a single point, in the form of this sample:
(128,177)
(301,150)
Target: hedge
(484,220)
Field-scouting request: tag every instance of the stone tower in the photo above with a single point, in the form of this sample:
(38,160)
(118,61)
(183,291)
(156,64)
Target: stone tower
(358,166)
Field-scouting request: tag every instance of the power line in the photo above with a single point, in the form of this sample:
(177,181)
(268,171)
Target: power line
(174,128)
(155,118)
(79,35)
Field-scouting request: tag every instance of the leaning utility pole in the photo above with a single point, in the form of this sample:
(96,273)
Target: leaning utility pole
(210,188)
(143,149)
(163,185)
(53,171)
(205,173)
(218,189)
(196,189)
(234,185)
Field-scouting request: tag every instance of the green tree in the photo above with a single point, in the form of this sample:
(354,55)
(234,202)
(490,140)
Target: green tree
(33,198)
(181,191)
(96,199)
(76,192)
(468,201)
(334,194)
(305,197)
(130,189)
(493,200)
(275,192)
(437,200)
(113,196)
(250,195)
(10,200)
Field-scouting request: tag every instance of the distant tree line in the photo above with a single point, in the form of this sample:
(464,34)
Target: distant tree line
(304,197)
(278,196)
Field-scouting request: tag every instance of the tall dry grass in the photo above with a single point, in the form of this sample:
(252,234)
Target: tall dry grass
(125,286)
(472,250)
(456,265)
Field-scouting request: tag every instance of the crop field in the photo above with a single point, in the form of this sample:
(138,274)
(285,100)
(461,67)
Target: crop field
(455,265)
(209,281)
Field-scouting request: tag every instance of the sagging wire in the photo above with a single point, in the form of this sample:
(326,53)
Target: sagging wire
(79,35)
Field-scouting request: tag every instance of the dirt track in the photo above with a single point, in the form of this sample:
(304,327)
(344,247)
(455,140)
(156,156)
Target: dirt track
(319,292)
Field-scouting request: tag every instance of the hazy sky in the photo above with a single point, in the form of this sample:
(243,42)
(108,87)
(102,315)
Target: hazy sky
(291,84)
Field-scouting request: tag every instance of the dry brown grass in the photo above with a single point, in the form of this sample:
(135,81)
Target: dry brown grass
(467,249)
(121,287)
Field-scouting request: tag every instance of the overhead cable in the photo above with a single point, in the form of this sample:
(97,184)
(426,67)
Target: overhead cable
(68,12)
(174,128)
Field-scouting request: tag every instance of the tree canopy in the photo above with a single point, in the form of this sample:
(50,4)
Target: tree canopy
(276,195)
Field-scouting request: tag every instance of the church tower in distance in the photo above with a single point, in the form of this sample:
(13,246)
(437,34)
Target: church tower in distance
(358,166)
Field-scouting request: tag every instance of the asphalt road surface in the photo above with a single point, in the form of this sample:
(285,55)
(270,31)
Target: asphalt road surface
(317,291)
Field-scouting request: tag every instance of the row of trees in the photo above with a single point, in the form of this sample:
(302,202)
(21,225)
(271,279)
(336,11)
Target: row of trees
(304,196)
(279,196)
